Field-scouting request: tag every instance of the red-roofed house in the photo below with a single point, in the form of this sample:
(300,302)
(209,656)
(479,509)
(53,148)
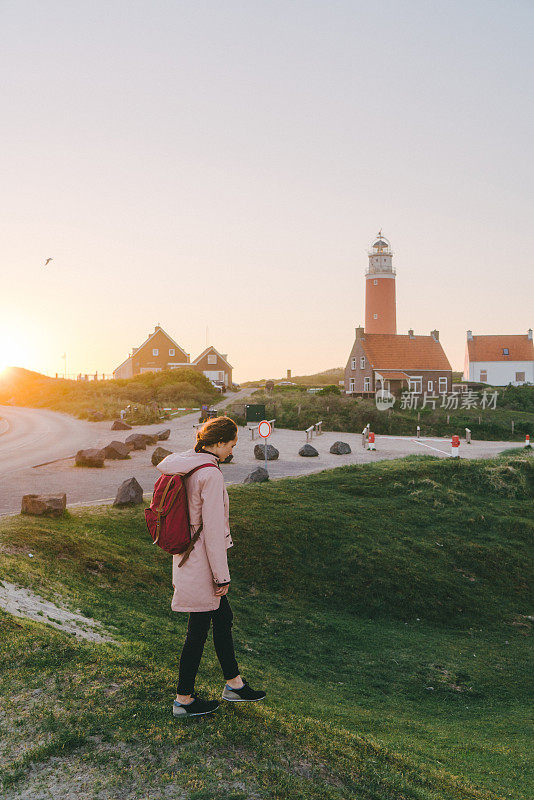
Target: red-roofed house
(499,359)
(397,362)
(159,351)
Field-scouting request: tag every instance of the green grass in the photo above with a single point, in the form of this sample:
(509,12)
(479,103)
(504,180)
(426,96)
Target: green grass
(385,609)
(293,408)
(167,388)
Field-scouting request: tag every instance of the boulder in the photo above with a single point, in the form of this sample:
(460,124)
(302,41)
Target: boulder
(117,450)
(119,425)
(340,448)
(308,451)
(258,476)
(138,440)
(95,416)
(159,454)
(259,452)
(129,493)
(90,458)
(150,438)
(47,505)
(163,435)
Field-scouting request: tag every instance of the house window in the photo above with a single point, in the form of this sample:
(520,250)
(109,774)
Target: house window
(415,385)
(353,363)
(505,351)
(212,359)
(375,282)
(362,362)
(367,384)
(172,352)
(520,376)
(351,385)
(375,316)
(442,385)
(483,375)
(155,352)
(430,386)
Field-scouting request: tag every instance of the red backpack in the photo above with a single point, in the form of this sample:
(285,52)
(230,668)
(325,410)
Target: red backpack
(167,517)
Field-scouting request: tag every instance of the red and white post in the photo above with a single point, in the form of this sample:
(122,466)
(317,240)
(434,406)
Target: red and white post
(527,440)
(371,441)
(264,429)
(455,446)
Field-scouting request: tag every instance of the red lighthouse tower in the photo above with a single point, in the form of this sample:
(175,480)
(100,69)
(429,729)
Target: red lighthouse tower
(380,303)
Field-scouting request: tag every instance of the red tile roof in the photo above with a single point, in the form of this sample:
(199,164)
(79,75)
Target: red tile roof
(490,348)
(400,352)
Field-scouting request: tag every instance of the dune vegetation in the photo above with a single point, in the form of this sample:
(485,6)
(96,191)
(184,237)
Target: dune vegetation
(385,608)
(150,392)
(511,418)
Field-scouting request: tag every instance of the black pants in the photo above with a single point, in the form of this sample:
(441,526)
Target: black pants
(197,632)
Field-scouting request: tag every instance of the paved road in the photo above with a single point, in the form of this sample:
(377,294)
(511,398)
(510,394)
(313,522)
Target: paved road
(32,436)
(35,432)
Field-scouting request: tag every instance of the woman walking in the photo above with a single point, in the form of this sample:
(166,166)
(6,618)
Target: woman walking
(201,584)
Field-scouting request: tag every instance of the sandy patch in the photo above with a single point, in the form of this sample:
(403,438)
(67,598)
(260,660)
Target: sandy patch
(24,603)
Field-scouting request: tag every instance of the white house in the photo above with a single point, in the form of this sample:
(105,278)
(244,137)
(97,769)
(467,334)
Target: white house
(499,359)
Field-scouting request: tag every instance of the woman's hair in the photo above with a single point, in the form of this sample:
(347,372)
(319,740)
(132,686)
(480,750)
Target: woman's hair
(218,429)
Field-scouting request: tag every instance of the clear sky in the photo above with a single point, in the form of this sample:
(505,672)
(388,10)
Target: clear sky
(227,164)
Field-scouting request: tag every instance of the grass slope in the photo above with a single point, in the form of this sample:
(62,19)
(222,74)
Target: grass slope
(384,608)
(166,388)
(293,408)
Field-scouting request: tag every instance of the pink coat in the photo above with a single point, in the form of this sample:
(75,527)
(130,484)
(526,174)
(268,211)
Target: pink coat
(195,582)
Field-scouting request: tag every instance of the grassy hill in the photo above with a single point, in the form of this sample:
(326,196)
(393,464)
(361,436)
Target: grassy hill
(317,379)
(294,408)
(169,387)
(385,608)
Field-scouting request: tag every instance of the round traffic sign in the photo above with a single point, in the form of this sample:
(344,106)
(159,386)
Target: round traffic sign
(264,429)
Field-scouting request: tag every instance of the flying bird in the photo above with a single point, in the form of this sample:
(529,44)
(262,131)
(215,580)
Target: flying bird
(47,260)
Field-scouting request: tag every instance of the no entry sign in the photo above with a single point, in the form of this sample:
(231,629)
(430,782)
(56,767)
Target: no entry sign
(264,429)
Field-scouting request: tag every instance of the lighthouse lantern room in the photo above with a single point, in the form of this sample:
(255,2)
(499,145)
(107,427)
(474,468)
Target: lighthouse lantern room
(380,301)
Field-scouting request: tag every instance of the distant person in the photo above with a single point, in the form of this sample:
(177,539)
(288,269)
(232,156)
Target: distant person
(201,584)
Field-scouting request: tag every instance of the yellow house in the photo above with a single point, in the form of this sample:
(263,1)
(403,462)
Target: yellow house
(160,351)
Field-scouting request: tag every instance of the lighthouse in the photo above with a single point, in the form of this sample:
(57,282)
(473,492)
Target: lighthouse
(380,303)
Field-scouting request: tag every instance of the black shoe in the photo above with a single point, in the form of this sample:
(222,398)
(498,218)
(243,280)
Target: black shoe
(194,709)
(245,693)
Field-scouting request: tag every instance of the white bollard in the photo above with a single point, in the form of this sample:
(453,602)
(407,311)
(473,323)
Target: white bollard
(418,431)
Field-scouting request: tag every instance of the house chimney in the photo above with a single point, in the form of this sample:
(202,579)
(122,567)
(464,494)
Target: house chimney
(359,333)
(288,374)
(410,333)
(225,356)
(469,336)
(529,334)
(435,335)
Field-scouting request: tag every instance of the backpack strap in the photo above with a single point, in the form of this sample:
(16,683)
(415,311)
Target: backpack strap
(194,538)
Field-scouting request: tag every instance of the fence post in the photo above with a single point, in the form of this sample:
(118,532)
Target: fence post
(467,436)
(418,431)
